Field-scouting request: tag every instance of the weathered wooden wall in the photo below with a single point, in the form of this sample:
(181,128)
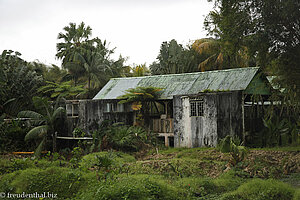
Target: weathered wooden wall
(229,115)
(222,116)
(91,113)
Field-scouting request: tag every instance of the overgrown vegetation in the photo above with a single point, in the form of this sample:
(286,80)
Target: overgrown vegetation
(199,173)
(123,138)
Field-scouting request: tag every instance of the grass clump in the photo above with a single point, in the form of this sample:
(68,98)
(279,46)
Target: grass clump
(297,195)
(208,188)
(61,181)
(258,189)
(8,166)
(130,187)
(118,158)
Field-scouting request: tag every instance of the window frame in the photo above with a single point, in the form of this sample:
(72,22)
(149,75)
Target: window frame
(196,107)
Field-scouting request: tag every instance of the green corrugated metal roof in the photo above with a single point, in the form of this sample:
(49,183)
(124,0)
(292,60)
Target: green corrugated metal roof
(182,84)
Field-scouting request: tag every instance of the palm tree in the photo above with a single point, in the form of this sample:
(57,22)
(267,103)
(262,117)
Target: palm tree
(218,54)
(87,59)
(45,123)
(211,50)
(140,70)
(95,62)
(74,39)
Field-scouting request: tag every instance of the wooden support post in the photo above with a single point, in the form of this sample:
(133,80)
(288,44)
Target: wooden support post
(166,140)
(243,118)
(54,141)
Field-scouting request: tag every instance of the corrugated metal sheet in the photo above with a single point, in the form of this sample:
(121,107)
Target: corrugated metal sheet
(181,84)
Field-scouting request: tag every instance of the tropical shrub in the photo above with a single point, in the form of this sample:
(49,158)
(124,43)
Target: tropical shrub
(45,123)
(122,138)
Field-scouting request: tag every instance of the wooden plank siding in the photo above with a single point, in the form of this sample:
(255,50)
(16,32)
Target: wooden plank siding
(164,128)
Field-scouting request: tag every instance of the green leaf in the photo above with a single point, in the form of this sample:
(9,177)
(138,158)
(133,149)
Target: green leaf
(30,114)
(38,150)
(37,132)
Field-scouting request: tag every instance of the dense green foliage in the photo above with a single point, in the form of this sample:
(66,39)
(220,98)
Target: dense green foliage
(12,136)
(118,159)
(65,89)
(19,83)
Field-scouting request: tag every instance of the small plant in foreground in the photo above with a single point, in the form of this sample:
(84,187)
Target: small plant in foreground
(238,153)
(76,156)
(104,162)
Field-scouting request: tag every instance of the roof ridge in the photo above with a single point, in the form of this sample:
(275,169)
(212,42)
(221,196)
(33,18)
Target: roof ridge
(182,74)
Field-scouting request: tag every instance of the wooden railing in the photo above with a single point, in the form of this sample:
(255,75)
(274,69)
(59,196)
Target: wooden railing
(162,125)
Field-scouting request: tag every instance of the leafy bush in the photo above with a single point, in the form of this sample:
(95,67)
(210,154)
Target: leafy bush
(61,181)
(130,187)
(12,136)
(258,189)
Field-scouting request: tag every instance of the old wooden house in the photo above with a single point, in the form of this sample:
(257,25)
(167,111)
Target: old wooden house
(193,109)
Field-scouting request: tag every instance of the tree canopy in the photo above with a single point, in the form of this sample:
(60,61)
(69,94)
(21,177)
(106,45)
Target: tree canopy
(270,29)
(173,58)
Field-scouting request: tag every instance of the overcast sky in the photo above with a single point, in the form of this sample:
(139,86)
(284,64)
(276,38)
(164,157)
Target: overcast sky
(135,27)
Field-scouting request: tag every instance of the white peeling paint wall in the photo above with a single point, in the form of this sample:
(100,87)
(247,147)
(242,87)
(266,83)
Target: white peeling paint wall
(186,121)
(195,131)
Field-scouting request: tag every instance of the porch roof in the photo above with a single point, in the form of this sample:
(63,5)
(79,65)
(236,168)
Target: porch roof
(183,84)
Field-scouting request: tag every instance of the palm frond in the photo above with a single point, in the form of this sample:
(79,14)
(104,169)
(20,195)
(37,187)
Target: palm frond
(207,63)
(57,113)
(38,150)
(37,132)
(30,114)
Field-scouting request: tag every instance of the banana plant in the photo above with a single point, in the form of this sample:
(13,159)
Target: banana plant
(275,128)
(44,123)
